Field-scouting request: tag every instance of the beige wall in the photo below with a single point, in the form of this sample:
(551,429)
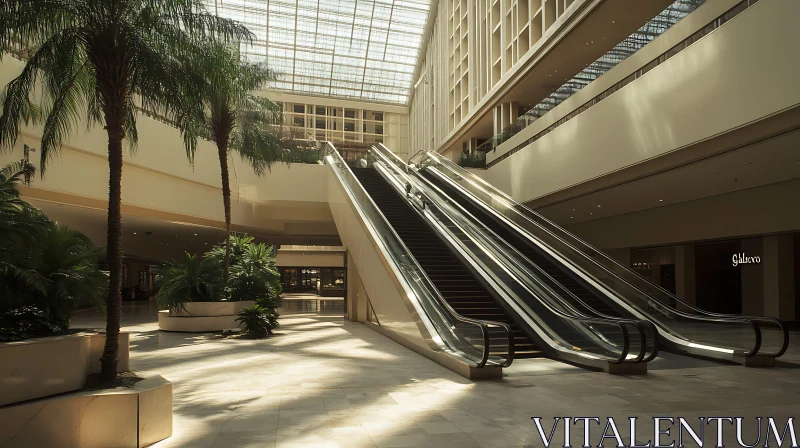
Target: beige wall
(311,259)
(395,128)
(474,48)
(158,180)
(679,32)
(755,211)
(722,82)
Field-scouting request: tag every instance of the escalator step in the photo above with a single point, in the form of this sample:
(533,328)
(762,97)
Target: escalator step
(455,283)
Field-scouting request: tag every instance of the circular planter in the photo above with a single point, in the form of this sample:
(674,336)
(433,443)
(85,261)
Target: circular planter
(205,309)
(198,317)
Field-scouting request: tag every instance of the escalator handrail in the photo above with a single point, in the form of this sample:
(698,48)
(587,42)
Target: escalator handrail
(588,320)
(714,317)
(640,324)
(331,150)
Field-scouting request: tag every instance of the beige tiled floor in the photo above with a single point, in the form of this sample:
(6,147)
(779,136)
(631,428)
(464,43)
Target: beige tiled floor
(324,382)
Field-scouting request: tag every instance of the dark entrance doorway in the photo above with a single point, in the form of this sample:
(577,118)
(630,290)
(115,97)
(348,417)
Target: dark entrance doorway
(719,283)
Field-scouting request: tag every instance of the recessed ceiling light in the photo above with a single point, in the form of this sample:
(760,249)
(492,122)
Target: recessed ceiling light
(598,205)
(134,233)
(660,200)
(747,163)
(591,213)
(195,234)
(571,217)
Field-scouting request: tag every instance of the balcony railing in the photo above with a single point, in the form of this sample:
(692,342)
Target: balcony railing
(654,28)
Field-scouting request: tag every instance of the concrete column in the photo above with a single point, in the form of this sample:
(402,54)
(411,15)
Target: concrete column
(497,119)
(512,111)
(752,278)
(685,282)
(778,267)
(356,310)
(505,114)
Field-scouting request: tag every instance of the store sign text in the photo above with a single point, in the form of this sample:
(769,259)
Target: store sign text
(744,259)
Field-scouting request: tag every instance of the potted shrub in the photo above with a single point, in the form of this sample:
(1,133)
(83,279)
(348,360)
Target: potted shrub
(46,270)
(196,288)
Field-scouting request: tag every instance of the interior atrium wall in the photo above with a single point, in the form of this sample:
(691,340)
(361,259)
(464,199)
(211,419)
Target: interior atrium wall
(473,45)
(347,124)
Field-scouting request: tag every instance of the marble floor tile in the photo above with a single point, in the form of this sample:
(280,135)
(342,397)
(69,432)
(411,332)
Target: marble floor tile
(325,382)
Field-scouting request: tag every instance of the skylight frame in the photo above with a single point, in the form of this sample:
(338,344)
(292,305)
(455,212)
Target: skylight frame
(364,50)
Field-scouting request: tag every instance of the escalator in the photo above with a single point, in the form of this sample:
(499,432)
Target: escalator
(453,280)
(592,279)
(539,257)
(397,294)
(481,276)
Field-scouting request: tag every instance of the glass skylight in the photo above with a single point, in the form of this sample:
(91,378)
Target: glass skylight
(357,49)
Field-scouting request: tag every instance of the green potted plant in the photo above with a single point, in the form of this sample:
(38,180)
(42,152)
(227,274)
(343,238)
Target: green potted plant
(197,288)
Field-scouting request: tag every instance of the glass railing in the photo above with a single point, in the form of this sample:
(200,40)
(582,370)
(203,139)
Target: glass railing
(652,29)
(462,337)
(561,330)
(683,327)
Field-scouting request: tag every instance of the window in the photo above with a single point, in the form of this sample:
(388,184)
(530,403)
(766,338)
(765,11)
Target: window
(378,116)
(320,110)
(299,108)
(379,129)
(320,124)
(299,121)
(350,127)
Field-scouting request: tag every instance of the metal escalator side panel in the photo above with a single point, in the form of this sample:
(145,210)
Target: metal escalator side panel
(541,331)
(679,328)
(440,331)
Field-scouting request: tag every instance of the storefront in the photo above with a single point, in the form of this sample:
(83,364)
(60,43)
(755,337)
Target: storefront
(757,275)
(326,282)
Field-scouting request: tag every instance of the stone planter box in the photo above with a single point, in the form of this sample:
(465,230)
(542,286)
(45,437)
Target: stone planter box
(205,309)
(41,367)
(200,317)
(123,417)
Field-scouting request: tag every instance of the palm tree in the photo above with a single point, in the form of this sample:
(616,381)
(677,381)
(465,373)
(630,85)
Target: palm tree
(102,58)
(41,263)
(238,120)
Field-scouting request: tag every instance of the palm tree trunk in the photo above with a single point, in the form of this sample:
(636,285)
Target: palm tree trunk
(226,199)
(108,361)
